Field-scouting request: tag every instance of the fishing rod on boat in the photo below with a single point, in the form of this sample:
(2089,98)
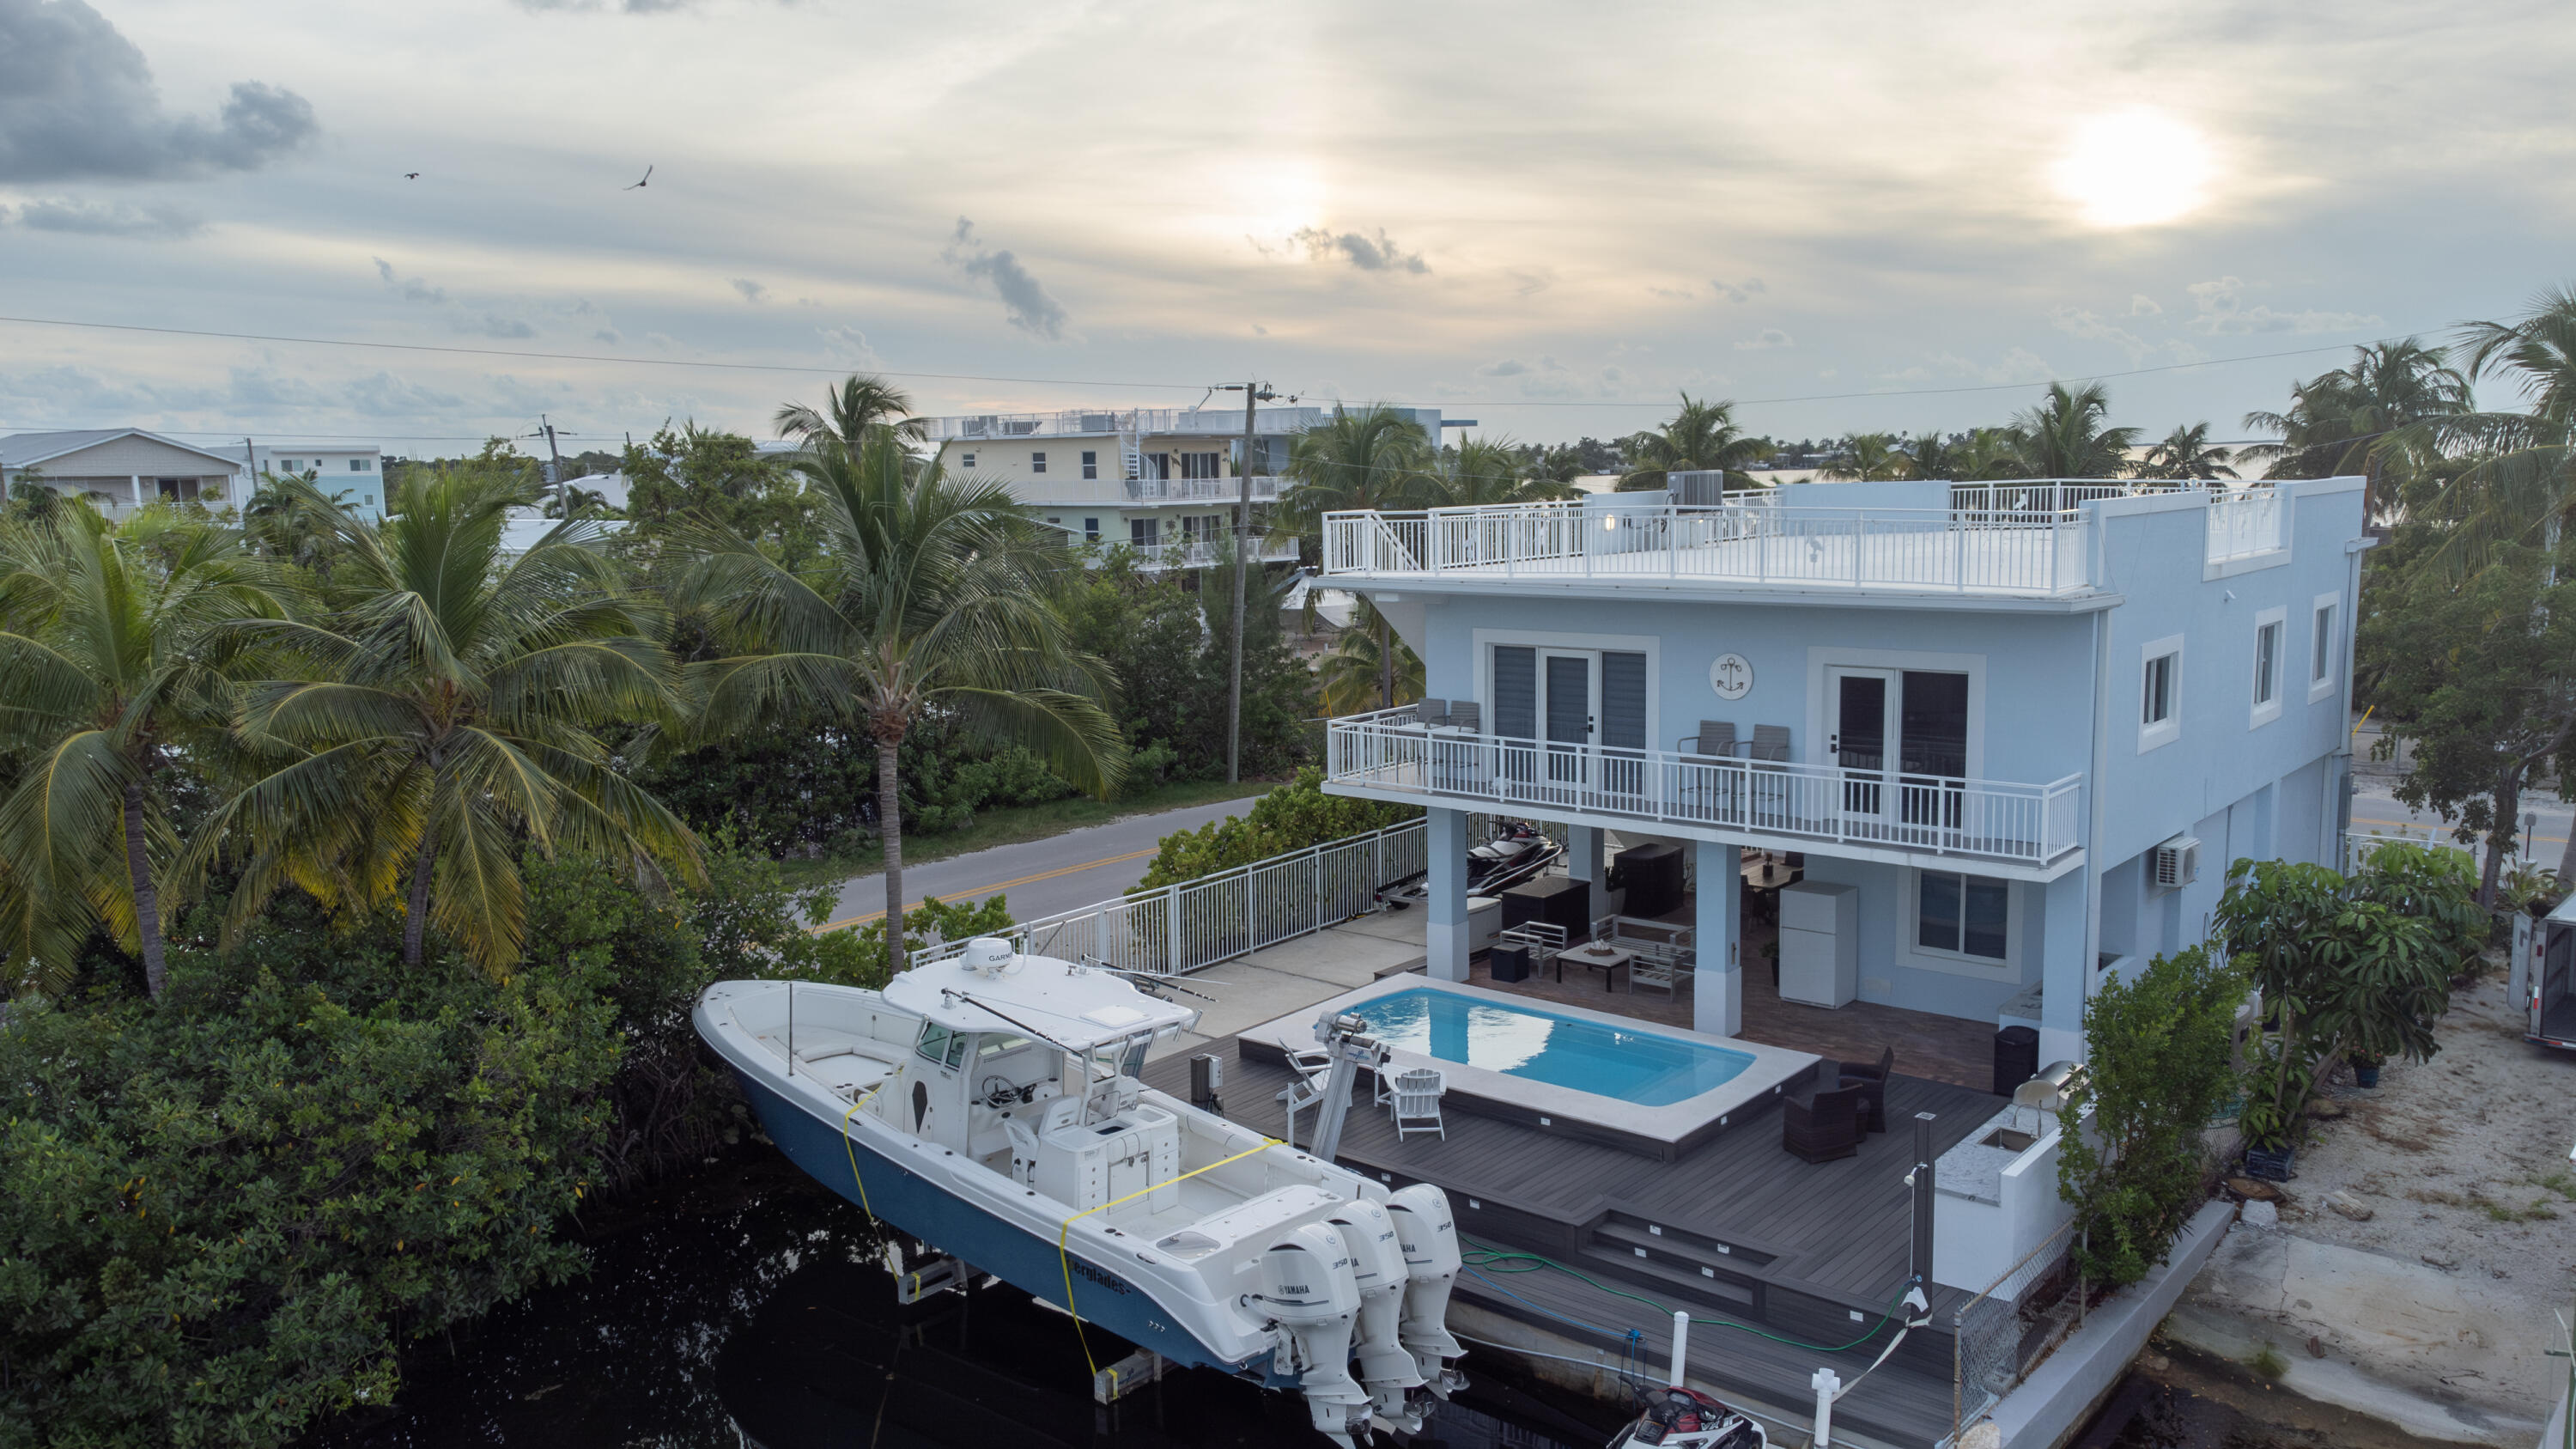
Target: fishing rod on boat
(1144,978)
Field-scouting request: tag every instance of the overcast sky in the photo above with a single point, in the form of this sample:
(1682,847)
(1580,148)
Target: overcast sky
(1547,217)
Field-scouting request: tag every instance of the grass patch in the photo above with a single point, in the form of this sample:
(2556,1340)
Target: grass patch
(2538,1212)
(2560,1182)
(1014,825)
(2267,1363)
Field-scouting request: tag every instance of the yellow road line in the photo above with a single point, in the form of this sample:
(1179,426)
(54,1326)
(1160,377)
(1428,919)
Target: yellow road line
(1000,886)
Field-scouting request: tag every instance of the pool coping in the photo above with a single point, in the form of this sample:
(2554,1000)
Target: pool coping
(1667,1131)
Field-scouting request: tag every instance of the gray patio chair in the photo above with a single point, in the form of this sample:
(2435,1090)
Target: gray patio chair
(1715,740)
(1706,783)
(1769,745)
(1770,742)
(1466,714)
(1430,711)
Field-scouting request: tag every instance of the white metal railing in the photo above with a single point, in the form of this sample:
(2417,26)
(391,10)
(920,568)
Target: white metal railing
(1996,820)
(1182,928)
(1201,553)
(1072,422)
(2016,498)
(2244,522)
(1265,489)
(2032,552)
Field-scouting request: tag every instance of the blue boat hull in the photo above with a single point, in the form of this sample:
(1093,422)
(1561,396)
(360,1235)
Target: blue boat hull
(922,1208)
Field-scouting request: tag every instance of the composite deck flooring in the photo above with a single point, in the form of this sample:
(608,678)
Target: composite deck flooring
(1839,1232)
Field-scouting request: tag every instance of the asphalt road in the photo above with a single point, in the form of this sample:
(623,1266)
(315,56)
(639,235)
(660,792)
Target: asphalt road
(2373,807)
(1041,877)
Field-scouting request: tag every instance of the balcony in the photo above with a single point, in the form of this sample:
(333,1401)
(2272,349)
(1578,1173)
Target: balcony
(2017,540)
(2026,830)
(1077,422)
(1265,489)
(1198,553)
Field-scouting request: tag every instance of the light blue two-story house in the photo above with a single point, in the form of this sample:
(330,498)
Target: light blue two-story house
(2027,725)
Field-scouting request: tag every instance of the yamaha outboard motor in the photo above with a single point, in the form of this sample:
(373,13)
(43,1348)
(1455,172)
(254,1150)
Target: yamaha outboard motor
(1429,1238)
(1308,1288)
(1387,1369)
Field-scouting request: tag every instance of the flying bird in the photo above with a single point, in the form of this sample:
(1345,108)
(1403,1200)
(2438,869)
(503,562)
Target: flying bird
(411,176)
(648,175)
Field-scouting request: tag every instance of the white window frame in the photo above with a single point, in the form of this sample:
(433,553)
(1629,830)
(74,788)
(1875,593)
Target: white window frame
(1090,464)
(2260,710)
(1037,462)
(2325,674)
(2155,735)
(359,465)
(1823,659)
(1910,951)
(965,460)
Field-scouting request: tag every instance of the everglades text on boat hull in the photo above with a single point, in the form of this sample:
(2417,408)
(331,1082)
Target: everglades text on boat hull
(990,1105)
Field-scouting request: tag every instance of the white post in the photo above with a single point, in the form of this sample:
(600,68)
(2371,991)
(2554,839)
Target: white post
(1681,1348)
(1828,1386)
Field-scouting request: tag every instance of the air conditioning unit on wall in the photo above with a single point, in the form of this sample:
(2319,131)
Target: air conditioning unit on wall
(2175,863)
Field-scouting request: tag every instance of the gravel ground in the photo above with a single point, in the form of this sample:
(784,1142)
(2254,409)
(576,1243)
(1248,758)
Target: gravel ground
(2461,1161)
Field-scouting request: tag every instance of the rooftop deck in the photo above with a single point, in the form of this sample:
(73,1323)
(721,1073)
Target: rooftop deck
(2027,541)
(1736,1228)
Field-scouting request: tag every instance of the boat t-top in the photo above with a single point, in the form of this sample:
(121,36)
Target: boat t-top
(990,1105)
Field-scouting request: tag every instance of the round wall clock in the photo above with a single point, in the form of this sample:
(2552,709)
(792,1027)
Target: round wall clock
(1731,675)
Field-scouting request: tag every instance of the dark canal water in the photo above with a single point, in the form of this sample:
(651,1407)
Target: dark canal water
(753,1308)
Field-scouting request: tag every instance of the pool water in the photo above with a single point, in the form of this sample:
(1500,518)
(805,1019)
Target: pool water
(1632,1066)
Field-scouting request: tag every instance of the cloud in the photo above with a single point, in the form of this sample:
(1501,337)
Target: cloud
(2142,305)
(77,102)
(257,387)
(492,324)
(384,395)
(848,344)
(1738,291)
(1766,339)
(608,334)
(119,218)
(410,289)
(1377,254)
(2219,310)
(1024,299)
(751,291)
(628,7)
(1508,367)
(2084,323)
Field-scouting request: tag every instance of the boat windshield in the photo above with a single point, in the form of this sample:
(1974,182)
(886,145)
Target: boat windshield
(1123,1058)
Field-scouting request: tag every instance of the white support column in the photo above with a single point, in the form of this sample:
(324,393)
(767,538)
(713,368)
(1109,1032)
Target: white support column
(2065,975)
(1717,986)
(137,480)
(1586,856)
(1444,936)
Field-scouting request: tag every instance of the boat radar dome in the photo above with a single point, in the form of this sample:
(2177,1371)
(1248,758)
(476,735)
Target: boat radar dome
(989,956)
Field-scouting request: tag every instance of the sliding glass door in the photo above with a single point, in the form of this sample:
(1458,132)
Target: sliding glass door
(1900,740)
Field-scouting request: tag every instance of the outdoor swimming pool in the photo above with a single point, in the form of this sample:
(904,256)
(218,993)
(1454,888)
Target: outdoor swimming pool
(1632,1066)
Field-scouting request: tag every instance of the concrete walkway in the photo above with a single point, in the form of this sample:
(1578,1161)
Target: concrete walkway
(1309,969)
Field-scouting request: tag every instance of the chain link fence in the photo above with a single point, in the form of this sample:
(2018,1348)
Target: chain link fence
(2005,1329)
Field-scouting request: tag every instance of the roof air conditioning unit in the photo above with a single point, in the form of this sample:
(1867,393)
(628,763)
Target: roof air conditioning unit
(2176,863)
(1697,488)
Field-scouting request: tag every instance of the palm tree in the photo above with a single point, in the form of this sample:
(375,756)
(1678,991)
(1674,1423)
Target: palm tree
(930,598)
(1482,474)
(1986,454)
(1868,458)
(850,409)
(447,718)
(2519,477)
(2359,418)
(112,648)
(291,520)
(2186,454)
(1358,666)
(1375,458)
(2064,436)
(1702,436)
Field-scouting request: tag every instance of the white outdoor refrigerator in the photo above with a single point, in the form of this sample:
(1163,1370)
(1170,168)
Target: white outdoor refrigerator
(1819,943)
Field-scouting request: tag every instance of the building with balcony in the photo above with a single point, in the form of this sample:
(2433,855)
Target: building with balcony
(119,470)
(1163,481)
(2010,735)
(354,472)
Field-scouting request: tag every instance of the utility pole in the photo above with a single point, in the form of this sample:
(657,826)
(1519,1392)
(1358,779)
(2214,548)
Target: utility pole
(1253,392)
(563,491)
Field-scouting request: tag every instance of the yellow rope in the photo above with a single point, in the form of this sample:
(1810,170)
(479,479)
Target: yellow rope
(1065,1256)
(853,1152)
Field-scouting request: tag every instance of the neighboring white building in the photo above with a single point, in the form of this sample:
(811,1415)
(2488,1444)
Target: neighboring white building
(1161,480)
(121,469)
(336,468)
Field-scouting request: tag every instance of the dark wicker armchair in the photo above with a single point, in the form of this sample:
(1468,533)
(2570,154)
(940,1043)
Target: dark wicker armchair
(1872,1081)
(1822,1127)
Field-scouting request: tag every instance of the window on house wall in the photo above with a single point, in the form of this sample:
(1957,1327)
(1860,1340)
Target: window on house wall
(1037,462)
(965,460)
(1090,465)
(2160,693)
(178,490)
(1963,915)
(360,465)
(2269,627)
(1144,532)
(1200,465)
(2325,649)
(1091,530)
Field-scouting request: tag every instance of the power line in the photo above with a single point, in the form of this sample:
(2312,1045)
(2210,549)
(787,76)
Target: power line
(574,356)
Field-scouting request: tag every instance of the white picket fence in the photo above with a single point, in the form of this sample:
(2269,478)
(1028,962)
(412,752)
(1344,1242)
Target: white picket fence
(1183,928)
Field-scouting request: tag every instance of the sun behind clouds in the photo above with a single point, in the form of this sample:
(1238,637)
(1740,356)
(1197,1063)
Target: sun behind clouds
(2137,167)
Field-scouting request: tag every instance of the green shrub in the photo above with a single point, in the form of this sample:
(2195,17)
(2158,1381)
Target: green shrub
(1291,817)
(2159,1070)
